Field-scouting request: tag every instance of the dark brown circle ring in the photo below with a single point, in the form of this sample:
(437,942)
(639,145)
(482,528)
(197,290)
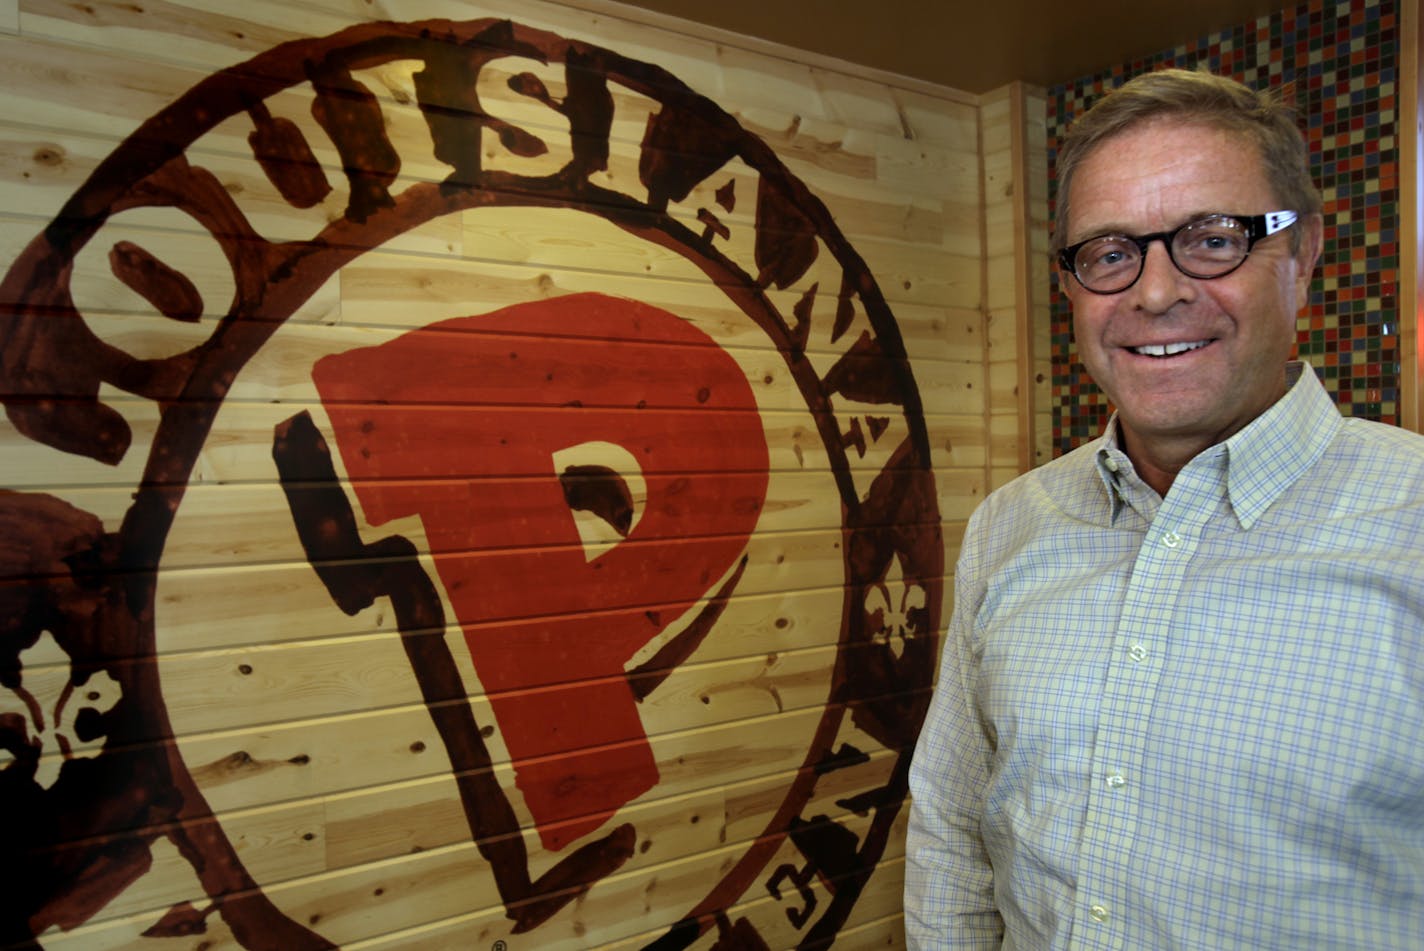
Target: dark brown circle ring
(52,366)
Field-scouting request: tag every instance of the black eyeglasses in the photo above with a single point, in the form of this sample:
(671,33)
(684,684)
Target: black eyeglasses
(1203,248)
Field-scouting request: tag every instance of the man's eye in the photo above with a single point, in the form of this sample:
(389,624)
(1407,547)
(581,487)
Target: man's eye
(1109,255)
(1215,242)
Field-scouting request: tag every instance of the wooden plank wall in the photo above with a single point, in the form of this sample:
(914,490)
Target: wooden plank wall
(474,485)
(1016,279)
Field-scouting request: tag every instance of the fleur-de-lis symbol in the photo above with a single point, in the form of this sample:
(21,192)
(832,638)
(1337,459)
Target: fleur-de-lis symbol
(49,702)
(889,605)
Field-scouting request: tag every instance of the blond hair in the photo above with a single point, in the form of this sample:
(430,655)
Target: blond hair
(1261,118)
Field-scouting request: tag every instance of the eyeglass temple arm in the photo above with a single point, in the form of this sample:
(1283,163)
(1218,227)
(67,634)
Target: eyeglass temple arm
(1277,221)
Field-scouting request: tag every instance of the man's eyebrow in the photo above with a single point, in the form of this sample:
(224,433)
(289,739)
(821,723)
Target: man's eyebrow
(1118,229)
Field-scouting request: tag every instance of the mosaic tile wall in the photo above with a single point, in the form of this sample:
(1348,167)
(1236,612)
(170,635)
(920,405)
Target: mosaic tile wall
(1342,59)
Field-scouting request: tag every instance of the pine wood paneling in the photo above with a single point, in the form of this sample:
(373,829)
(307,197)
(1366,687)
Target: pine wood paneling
(378,448)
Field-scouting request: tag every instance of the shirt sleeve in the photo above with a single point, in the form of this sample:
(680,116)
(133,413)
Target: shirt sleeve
(949,883)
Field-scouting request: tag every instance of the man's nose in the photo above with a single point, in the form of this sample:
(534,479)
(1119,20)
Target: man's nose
(1161,285)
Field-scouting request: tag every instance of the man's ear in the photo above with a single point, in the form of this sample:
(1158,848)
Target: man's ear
(1067,283)
(1307,255)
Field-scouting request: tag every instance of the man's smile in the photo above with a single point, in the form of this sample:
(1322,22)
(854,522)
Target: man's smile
(1163,350)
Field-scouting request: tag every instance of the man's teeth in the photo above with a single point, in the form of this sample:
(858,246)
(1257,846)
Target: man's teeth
(1168,349)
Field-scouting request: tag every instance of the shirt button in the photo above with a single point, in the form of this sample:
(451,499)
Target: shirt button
(1110,463)
(1171,539)
(1137,652)
(1117,780)
(1098,913)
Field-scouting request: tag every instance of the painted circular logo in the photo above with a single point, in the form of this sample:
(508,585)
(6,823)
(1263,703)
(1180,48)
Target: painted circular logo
(476,558)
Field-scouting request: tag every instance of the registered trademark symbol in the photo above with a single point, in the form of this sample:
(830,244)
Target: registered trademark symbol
(499,946)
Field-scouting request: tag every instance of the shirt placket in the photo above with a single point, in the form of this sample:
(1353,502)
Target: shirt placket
(1139,653)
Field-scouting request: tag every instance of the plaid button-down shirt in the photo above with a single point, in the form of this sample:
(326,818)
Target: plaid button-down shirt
(1194,722)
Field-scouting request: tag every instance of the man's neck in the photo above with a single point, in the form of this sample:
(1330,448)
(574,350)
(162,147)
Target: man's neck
(1158,461)
(1158,477)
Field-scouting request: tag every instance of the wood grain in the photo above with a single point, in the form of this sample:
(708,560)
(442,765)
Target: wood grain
(303,723)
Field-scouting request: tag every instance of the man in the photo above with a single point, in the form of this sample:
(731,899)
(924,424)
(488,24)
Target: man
(1181,702)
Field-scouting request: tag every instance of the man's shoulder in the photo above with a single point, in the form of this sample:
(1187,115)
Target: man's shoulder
(1060,499)
(1383,436)
(1069,484)
(1371,446)
(1386,459)
(1073,470)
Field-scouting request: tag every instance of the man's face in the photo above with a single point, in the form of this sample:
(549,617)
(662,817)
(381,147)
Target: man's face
(1235,333)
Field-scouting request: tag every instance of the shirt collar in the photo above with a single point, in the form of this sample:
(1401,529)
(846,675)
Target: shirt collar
(1276,449)
(1117,474)
(1264,459)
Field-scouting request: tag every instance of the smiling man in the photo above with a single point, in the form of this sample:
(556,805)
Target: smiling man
(1182,695)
